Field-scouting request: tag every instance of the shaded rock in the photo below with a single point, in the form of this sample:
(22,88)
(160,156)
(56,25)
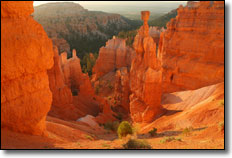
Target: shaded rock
(80,85)
(26,54)
(122,88)
(62,102)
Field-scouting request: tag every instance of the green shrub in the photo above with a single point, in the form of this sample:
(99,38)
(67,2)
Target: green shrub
(179,139)
(124,129)
(106,145)
(87,63)
(153,132)
(113,126)
(89,137)
(169,139)
(187,131)
(129,36)
(137,144)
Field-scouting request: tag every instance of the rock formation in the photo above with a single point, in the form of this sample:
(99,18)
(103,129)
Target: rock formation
(80,84)
(26,54)
(62,99)
(192,47)
(106,114)
(61,93)
(190,56)
(113,56)
(122,89)
(154,32)
(145,76)
(62,45)
(73,94)
(72,71)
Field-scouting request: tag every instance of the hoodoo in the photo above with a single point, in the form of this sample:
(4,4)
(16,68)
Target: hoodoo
(145,76)
(26,54)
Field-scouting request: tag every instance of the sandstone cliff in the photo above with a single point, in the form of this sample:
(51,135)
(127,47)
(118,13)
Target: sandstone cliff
(26,54)
(113,56)
(192,47)
(190,56)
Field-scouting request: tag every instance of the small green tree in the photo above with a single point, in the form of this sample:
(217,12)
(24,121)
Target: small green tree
(153,132)
(124,129)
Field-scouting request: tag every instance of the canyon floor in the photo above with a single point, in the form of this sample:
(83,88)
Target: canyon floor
(201,111)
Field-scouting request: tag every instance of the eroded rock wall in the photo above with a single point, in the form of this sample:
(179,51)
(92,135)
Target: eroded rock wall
(113,56)
(190,56)
(192,47)
(26,54)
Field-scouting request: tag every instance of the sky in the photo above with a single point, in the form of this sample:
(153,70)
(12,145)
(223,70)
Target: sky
(86,3)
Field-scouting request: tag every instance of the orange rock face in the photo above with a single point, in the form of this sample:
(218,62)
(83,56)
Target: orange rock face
(113,56)
(72,71)
(145,77)
(62,102)
(61,93)
(26,54)
(192,47)
(80,85)
(122,88)
(190,56)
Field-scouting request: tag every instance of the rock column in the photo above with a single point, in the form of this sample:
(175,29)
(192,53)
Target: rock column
(26,55)
(145,77)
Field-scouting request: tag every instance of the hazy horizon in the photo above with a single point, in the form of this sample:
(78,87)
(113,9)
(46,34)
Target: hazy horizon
(99,3)
(129,9)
